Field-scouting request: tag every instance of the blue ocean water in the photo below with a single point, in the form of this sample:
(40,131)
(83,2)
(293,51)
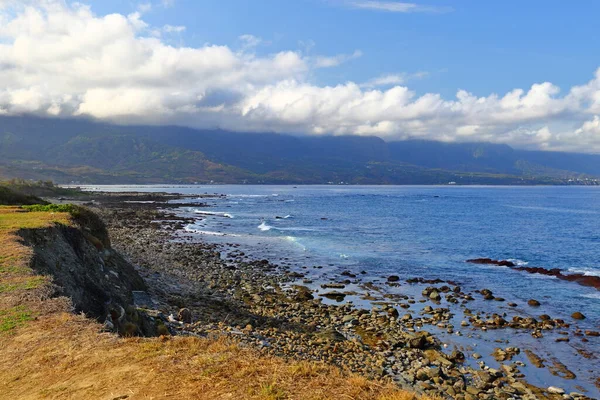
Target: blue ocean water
(419,231)
(429,232)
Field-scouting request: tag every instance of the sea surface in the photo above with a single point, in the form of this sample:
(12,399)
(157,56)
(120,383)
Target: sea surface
(423,231)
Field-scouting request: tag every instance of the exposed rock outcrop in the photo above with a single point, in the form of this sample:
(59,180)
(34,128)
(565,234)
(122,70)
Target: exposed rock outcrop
(97,279)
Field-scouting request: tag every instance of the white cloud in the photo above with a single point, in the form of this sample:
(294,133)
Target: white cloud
(144,7)
(334,61)
(392,79)
(396,7)
(249,41)
(173,29)
(63,60)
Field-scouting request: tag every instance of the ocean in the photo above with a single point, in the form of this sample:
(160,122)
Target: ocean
(423,231)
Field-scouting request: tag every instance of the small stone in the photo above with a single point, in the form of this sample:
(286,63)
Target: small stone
(577,315)
(556,390)
(457,356)
(533,303)
(393,278)
(435,296)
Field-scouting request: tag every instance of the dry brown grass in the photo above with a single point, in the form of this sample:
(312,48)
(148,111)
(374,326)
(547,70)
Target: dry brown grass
(63,356)
(59,355)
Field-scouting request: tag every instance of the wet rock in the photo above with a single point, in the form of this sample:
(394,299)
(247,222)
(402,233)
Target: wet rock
(506,354)
(393,278)
(421,341)
(577,315)
(435,296)
(489,261)
(533,303)
(337,296)
(303,294)
(457,356)
(534,359)
(392,312)
(555,390)
(333,286)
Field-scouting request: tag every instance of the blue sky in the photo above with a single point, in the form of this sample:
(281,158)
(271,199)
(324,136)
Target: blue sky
(481,46)
(524,73)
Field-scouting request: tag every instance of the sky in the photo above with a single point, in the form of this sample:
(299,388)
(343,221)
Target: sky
(524,73)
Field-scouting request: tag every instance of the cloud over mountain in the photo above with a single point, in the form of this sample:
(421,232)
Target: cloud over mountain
(61,59)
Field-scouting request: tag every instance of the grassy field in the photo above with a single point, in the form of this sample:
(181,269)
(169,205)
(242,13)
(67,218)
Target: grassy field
(49,352)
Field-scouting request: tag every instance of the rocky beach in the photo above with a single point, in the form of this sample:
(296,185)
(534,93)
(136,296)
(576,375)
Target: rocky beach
(435,338)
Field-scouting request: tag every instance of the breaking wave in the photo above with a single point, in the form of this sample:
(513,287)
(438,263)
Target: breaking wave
(214,213)
(585,271)
(264,227)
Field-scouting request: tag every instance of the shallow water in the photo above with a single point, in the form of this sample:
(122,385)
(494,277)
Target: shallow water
(416,231)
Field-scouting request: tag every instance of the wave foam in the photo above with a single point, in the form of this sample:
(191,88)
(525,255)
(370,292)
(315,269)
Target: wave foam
(190,229)
(264,227)
(518,262)
(592,296)
(295,241)
(213,213)
(585,271)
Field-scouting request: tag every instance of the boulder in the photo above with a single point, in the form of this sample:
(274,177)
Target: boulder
(185,315)
(533,303)
(435,295)
(577,315)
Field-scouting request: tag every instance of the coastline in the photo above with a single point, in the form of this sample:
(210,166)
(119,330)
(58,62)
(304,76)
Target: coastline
(266,306)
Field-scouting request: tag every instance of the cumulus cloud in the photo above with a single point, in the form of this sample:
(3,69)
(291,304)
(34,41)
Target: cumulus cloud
(60,59)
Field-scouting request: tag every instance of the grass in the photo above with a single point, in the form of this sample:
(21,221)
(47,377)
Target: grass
(56,354)
(75,361)
(13,317)
(62,208)
(17,280)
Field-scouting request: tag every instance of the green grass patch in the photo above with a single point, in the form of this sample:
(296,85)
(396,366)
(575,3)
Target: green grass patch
(272,392)
(28,284)
(12,269)
(66,208)
(14,317)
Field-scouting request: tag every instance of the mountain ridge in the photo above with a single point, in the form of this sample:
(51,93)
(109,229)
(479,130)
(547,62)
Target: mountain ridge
(85,151)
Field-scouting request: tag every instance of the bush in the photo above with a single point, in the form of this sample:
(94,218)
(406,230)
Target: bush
(10,197)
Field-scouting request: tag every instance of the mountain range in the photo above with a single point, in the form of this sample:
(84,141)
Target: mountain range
(84,151)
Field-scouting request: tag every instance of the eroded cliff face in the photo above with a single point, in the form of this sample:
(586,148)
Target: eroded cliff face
(97,279)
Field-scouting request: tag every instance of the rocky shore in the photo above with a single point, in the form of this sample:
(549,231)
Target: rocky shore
(199,288)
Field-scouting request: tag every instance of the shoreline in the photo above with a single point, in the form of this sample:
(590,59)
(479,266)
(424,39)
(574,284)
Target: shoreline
(271,310)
